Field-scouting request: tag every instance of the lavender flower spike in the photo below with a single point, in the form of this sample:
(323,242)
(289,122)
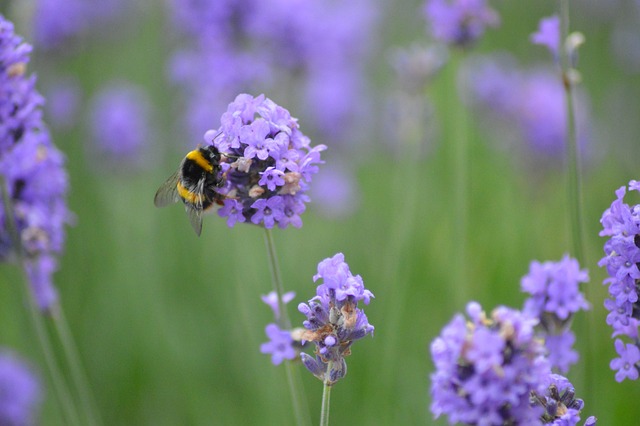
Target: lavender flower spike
(487,368)
(621,223)
(32,169)
(20,391)
(334,321)
(273,167)
(555,297)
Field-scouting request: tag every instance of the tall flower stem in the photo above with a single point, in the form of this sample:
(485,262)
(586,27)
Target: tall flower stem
(574,194)
(75,367)
(298,399)
(460,167)
(326,399)
(574,179)
(60,388)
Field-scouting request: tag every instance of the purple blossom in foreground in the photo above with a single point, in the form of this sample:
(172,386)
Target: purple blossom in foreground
(561,408)
(120,124)
(626,366)
(555,297)
(621,223)
(334,321)
(459,22)
(548,35)
(487,368)
(32,169)
(20,391)
(273,163)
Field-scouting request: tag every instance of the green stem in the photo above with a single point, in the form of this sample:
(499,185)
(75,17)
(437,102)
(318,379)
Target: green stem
(276,278)
(75,366)
(574,179)
(460,163)
(574,194)
(296,389)
(57,380)
(326,400)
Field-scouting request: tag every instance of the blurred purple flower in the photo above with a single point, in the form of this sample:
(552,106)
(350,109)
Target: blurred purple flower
(258,134)
(560,346)
(335,191)
(555,296)
(20,391)
(63,103)
(334,321)
(120,124)
(280,344)
(32,169)
(56,21)
(554,289)
(548,35)
(313,47)
(271,299)
(621,223)
(530,102)
(459,22)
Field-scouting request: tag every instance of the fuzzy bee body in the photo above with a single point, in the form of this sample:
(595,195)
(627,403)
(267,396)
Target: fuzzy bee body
(195,183)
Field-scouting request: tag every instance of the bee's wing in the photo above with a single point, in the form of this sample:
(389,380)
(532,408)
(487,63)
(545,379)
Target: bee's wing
(168,191)
(195,217)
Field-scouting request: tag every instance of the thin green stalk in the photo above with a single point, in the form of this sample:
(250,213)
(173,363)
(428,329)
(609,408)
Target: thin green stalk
(276,278)
(574,194)
(75,366)
(326,400)
(574,178)
(460,163)
(61,391)
(298,399)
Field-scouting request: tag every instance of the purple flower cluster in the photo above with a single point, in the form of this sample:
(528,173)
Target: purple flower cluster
(32,169)
(314,49)
(555,297)
(334,321)
(487,368)
(621,223)
(561,407)
(20,391)
(459,22)
(274,163)
(529,103)
(120,124)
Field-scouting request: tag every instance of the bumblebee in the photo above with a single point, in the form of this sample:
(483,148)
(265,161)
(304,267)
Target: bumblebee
(195,183)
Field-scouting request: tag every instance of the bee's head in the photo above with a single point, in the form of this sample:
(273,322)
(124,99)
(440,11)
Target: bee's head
(211,153)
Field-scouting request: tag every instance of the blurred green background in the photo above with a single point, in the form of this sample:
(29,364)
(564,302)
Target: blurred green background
(169,325)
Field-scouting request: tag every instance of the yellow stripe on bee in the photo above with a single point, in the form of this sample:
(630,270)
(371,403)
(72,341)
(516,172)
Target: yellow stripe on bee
(189,196)
(196,156)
